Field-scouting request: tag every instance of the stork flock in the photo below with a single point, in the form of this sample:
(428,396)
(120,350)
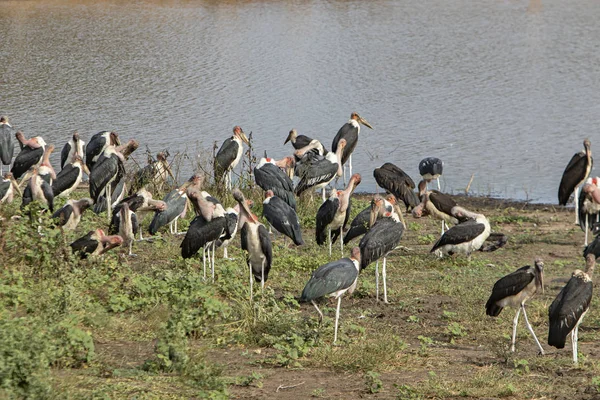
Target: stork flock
(380,226)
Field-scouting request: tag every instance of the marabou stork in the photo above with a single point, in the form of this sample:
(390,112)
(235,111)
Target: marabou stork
(8,186)
(314,147)
(255,241)
(570,306)
(69,178)
(594,247)
(95,243)
(431,168)
(232,217)
(38,189)
(125,224)
(298,141)
(155,172)
(7,146)
(514,290)
(118,190)
(176,206)
(31,154)
(334,213)
(317,171)
(268,174)
(466,237)
(137,203)
(360,224)
(108,168)
(98,143)
(397,182)
(589,205)
(575,174)
(349,131)
(74,146)
(282,217)
(333,279)
(229,156)
(437,204)
(69,215)
(381,239)
(45,170)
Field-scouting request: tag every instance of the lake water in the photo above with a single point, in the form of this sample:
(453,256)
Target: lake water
(505,90)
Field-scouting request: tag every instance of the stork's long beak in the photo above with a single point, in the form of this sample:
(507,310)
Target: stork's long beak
(364,122)
(399,212)
(244,138)
(289,137)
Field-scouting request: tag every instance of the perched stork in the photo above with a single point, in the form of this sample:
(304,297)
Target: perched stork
(431,168)
(268,174)
(594,247)
(437,204)
(98,143)
(334,213)
(75,146)
(397,182)
(383,237)
(69,215)
(31,154)
(282,217)
(255,241)
(465,237)
(108,168)
(155,172)
(229,156)
(8,187)
(570,306)
(575,174)
(7,147)
(514,290)
(69,178)
(298,141)
(317,171)
(333,279)
(45,170)
(38,189)
(361,223)
(349,131)
(589,205)
(95,243)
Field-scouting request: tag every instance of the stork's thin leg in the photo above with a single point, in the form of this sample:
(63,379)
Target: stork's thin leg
(262,276)
(329,230)
(171,227)
(514,335)
(438,182)
(109,202)
(176,225)
(141,237)
(377,280)
(384,276)
(343,175)
(251,279)
(350,167)
(319,311)
(576,207)
(342,242)
(212,263)
(225,252)
(443,227)
(204,261)
(574,343)
(337,318)
(323,193)
(587,220)
(531,330)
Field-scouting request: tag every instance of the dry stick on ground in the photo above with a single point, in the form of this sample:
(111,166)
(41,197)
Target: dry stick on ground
(469,185)
(288,387)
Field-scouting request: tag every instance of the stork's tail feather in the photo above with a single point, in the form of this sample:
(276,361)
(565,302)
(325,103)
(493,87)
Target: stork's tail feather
(557,336)
(492,309)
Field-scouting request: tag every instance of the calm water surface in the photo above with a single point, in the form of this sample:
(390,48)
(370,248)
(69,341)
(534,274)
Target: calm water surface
(506,90)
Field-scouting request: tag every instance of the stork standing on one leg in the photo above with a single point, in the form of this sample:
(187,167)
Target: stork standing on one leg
(333,279)
(349,131)
(575,174)
(514,290)
(229,155)
(74,146)
(570,306)
(7,146)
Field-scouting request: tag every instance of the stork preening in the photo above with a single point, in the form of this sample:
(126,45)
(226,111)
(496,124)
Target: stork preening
(75,146)
(575,174)
(333,279)
(32,151)
(466,237)
(431,168)
(437,204)
(95,243)
(514,290)
(570,306)
(69,215)
(314,147)
(349,132)
(317,171)
(8,187)
(589,205)
(268,174)
(7,146)
(282,217)
(381,239)
(69,178)
(298,141)
(397,182)
(256,242)
(45,170)
(39,190)
(361,223)
(334,213)
(229,155)
(98,143)
(107,169)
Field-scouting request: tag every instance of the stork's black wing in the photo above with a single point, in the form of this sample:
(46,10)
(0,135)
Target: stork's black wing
(329,278)
(397,182)
(4,186)
(200,233)
(64,154)
(271,177)
(27,196)
(65,179)
(283,218)
(25,160)
(325,215)
(94,148)
(175,205)
(431,166)
(104,170)
(460,233)
(48,195)
(573,175)
(231,220)
(7,146)
(135,225)
(244,237)
(442,201)
(63,214)
(225,156)
(359,225)
(592,248)
(85,245)
(382,238)
(507,286)
(319,170)
(350,133)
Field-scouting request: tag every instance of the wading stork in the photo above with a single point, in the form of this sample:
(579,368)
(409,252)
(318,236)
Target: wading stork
(108,168)
(431,168)
(95,243)
(39,190)
(575,174)
(229,155)
(381,239)
(349,131)
(98,143)
(361,223)
(31,154)
(268,174)
(69,178)
(317,171)
(397,182)
(437,204)
(334,213)
(282,217)
(255,241)
(69,215)
(570,306)
(466,237)
(333,279)
(74,146)
(45,170)
(7,146)
(514,290)
(589,205)
(8,187)
(298,141)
